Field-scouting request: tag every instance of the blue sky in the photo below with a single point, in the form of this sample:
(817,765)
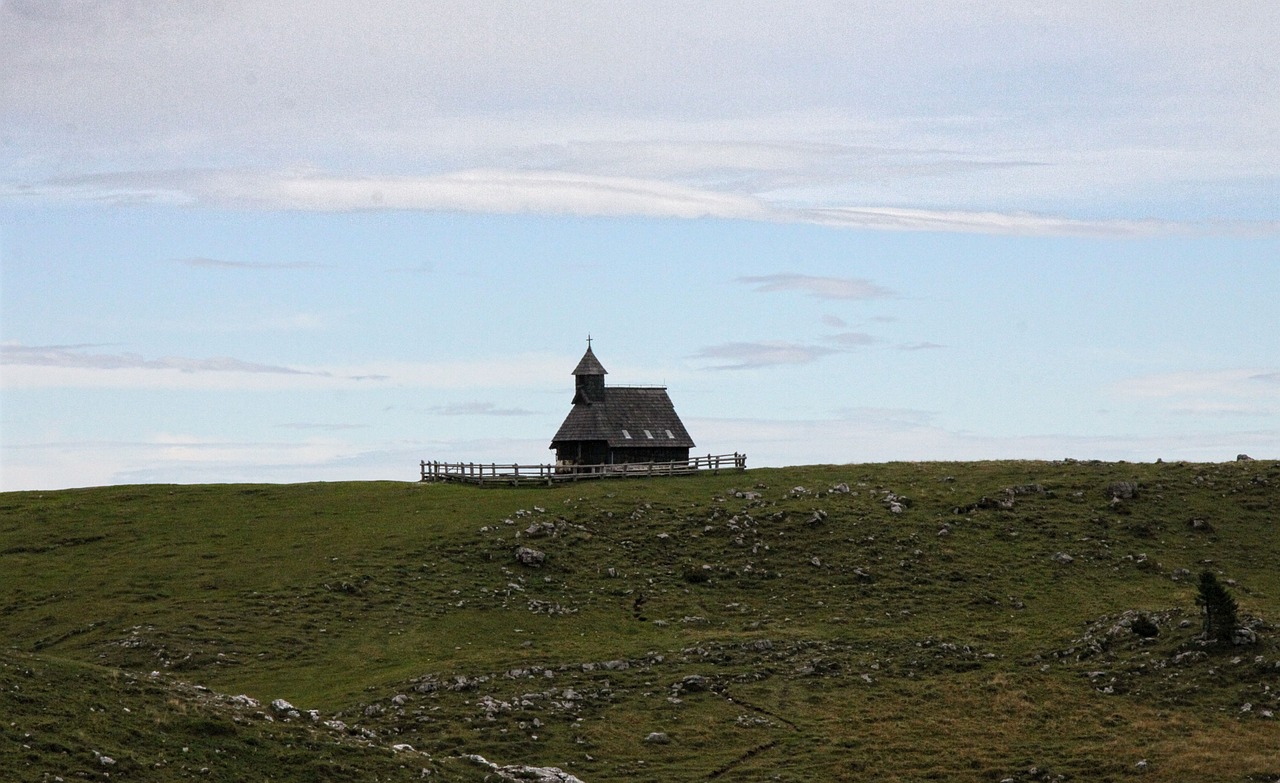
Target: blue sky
(275,241)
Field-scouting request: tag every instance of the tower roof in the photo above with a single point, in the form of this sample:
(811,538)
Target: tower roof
(589,365)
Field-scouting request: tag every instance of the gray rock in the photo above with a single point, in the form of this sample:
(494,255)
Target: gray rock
(694,683)
(1063,557)
(658,738)
(540,529)
(1242,636)
(1124,490)
(530,557)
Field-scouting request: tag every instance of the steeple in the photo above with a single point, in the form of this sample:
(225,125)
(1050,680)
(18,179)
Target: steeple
(588,378)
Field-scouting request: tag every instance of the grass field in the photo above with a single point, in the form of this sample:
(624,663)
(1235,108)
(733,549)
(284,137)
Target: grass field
(890,622)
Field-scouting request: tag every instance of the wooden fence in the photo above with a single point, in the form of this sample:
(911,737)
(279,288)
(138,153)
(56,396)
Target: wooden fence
(513,475)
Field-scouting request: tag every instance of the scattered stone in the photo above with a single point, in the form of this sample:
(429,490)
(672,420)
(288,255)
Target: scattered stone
(530,557)
(1063,557)
(520,772)
(1122,490)
(658,738)
(841,488)
(1243,458)
(540,529)
(1243,636)
(694,683)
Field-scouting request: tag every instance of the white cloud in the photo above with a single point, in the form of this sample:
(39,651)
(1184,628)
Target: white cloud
(852,339)
(73,366)
(921,346)
(478,409)
(752,355)
(818,287)
(75,358)
(1212,393)
(874,115)
(568,193)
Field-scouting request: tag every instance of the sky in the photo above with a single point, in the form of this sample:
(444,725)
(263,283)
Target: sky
(302,240)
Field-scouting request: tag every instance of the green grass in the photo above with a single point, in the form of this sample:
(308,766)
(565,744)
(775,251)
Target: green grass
(950,641)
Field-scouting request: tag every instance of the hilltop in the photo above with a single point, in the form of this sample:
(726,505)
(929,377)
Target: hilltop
(904,621)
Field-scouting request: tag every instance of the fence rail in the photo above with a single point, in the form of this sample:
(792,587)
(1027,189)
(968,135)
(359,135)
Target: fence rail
(495,473)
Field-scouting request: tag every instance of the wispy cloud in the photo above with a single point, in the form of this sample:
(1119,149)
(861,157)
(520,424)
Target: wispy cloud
(562,192)
(320,426)
(818,287)
(881,416)
(75,357)
(1210,393)
(852,339)
(749,355)
(217,263)
(479,409)
(75,366)
(921,346)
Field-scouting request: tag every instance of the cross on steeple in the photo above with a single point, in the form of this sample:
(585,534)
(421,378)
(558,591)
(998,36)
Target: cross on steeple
(588,339)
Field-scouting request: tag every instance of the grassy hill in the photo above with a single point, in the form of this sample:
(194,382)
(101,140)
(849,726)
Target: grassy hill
(908,621)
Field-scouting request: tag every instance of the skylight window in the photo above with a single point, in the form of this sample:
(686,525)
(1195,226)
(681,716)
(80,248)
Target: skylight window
(648,435)
(669,435)
(626,435)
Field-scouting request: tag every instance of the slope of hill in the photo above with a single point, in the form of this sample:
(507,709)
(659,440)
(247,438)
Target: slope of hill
(909,621)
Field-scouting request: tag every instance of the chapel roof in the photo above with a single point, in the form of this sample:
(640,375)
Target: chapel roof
(637,416)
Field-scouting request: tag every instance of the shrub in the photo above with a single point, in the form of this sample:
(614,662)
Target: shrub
(1144,627)
(1219,608)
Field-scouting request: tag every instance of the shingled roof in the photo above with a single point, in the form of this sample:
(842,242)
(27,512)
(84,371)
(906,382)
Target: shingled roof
(589,365)
(627,416)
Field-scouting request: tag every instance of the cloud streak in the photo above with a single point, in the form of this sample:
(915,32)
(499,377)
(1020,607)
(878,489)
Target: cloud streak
(478,409)
(72,366)
(552,192)
(845,288)
(1208,393)
(217,263)
(74,357)
(754,355)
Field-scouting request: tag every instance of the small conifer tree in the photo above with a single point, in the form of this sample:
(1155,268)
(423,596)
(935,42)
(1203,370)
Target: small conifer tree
(1219,609)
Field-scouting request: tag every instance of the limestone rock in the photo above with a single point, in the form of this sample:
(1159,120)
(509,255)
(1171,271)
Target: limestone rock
(530,557)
